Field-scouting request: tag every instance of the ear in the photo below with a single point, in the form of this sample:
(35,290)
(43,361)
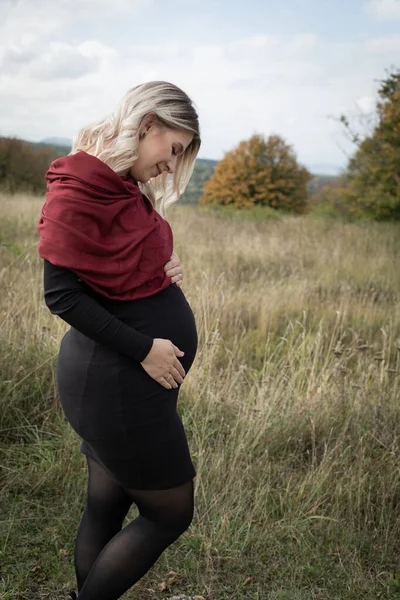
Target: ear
(149,121)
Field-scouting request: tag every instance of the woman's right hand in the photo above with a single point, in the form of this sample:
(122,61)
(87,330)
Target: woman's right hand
(162,364)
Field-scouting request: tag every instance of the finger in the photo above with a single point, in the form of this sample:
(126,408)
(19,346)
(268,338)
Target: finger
(178,366)
(177,278)
(176,270)
(163,381)
(170,379)
(177,350)
(176,375)
(170,265)
(172,262)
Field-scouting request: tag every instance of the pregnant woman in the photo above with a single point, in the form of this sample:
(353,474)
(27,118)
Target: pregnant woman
(107,267)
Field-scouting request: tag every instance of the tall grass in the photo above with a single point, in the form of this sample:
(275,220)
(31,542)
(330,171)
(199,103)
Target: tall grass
(291,410)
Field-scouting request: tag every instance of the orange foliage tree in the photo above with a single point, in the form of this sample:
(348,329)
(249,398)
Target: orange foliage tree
(259,172)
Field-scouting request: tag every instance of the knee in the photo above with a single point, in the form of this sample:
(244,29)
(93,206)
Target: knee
(106,512)
(177,522)
(184,520)
(173,529)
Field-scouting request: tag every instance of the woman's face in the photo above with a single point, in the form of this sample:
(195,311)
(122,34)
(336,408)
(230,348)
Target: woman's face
(158,151)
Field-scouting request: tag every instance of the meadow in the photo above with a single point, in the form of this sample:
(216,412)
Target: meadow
(291,410)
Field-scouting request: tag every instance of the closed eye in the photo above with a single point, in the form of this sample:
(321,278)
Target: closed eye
(178,152)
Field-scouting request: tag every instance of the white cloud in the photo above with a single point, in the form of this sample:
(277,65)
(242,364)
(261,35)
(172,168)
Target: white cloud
(384,45)
(56,60)
(383,10)
(366,104)
(23,22)
(53,81)
(88,6)
(61,61)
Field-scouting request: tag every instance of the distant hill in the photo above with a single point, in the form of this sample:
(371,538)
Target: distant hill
(324,169)
(320,181)
(55,149)
(203,170)
(57,141)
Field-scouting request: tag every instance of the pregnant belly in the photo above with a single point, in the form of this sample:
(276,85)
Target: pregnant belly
(104,392)
(165,315)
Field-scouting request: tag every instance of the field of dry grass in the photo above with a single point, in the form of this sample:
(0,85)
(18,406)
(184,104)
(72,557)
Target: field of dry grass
(291,409)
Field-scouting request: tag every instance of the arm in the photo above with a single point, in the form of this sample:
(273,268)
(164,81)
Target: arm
(66,297)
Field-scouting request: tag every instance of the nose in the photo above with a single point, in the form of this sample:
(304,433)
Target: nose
(171,165)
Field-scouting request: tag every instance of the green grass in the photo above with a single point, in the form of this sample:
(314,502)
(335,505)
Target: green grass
(293,425)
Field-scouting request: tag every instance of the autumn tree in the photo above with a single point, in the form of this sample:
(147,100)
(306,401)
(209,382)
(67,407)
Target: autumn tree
(259,172)
(371,184)
(23,166)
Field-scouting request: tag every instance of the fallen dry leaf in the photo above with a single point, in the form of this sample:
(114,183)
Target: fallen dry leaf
(36,568)
(254,522)
(248,580)
(170,581)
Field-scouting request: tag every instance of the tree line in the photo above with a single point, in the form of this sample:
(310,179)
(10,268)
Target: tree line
(23,165)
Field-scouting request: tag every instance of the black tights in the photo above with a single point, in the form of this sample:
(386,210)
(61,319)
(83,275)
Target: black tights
(108,559)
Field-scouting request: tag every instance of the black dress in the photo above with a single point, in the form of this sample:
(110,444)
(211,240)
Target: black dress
(127,421)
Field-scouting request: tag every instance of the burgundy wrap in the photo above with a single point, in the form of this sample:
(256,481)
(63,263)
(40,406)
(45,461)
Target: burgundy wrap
(100,225)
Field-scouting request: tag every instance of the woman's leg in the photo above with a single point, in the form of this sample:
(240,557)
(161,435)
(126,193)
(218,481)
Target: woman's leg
(164,516)
(106,507)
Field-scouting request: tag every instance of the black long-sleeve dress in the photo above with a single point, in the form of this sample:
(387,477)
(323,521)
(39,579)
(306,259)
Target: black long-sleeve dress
(128,422)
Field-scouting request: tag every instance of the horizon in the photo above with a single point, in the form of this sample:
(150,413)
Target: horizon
(67,143)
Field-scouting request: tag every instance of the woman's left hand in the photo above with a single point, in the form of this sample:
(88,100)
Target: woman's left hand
(173,268)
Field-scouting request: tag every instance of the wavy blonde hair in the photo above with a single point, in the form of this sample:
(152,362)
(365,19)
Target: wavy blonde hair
(115,139)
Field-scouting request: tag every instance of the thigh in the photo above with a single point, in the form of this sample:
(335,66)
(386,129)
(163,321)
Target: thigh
(173,505)
(104,495)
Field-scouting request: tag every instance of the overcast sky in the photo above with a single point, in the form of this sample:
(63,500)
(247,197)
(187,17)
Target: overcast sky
(289,68)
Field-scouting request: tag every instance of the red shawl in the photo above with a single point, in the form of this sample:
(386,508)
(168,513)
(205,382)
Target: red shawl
(99,225)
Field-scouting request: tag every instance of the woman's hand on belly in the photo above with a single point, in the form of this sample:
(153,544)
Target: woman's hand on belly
(173,269)
(162,363)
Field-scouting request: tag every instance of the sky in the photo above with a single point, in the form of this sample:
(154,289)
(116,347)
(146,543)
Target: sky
(289,68)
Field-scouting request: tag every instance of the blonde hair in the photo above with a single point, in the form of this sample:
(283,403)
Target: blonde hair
(115,139)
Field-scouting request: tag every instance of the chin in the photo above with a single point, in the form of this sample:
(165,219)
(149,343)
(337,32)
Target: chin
(142,179)
(151,178)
